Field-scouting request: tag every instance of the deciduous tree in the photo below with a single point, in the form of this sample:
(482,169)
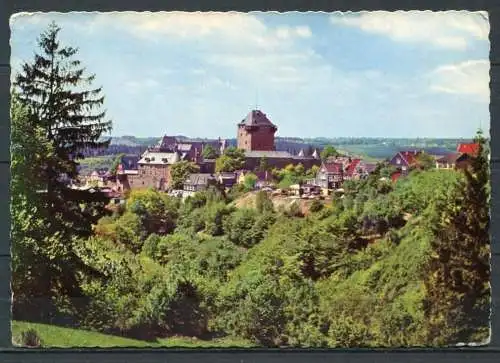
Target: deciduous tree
(180,171)
(329,151)
(233,159)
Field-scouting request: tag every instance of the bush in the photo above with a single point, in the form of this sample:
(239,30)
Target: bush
(30,338)
(246,227)
(294,210)
(316,206)
(263,203)
(129,231)
(150,246)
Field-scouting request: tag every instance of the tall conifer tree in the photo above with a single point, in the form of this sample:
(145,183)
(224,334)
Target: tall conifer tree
(458,291)
(58,102)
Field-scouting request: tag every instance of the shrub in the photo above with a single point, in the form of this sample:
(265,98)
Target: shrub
(316,206)
(30,338)
(262,202)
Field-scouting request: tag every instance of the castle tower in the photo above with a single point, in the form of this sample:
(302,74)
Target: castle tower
(256,132)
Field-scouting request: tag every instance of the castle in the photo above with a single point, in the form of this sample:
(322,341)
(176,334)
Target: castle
(256,132)
(255,135)
(256,138)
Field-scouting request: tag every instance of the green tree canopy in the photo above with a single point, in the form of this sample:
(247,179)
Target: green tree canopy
(263,164)
(180,171)
(209,152)
(250,181)
(116,162)
(231,160)
(425,161)
(329,151)
(459,295)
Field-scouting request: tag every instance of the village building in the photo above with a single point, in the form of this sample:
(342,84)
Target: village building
(310,189)
(197,182)
(471,149)
(460,159)
(256,137)
(330,175)
(405,160)
(98,178)
(190,150)
(448,161)
(226,179)
(357,169)
(129,162)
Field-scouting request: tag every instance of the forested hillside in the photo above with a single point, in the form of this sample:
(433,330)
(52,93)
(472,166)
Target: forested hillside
(356,272)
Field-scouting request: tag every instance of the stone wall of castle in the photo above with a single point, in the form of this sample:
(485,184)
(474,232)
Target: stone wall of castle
(256,138)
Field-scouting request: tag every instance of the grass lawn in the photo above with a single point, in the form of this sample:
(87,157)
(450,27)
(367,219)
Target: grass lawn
(54,336)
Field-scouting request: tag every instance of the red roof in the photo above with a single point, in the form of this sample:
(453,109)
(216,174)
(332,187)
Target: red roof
(351,168)
(471,149)
(333,167)
(410,156)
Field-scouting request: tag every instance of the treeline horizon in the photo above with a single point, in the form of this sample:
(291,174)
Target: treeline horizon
(339,139)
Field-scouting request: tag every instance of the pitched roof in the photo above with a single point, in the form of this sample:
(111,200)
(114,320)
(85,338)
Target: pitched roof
(367,167)
(410,156)
(159,158)
(199,178)
(449,158)
(256,118)
(167,142)
(184,147)
(130,161)
(472,149)
(333,167)
(351,168)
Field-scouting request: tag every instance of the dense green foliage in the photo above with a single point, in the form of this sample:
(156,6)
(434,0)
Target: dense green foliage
(293,174)
(329,151)
(54,117)
(209,152)
(385,264)
(354,273)
(249,181)
(231,160)
(180,171)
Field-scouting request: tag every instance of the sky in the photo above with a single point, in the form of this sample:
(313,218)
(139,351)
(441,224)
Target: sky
(368,74)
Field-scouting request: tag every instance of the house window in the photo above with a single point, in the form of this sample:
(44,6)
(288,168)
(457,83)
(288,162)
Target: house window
(398,161)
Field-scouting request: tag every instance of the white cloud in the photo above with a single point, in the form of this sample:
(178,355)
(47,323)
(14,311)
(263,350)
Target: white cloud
(303,31)
(467,78)
(231,27)
(451,29)
(286,32)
